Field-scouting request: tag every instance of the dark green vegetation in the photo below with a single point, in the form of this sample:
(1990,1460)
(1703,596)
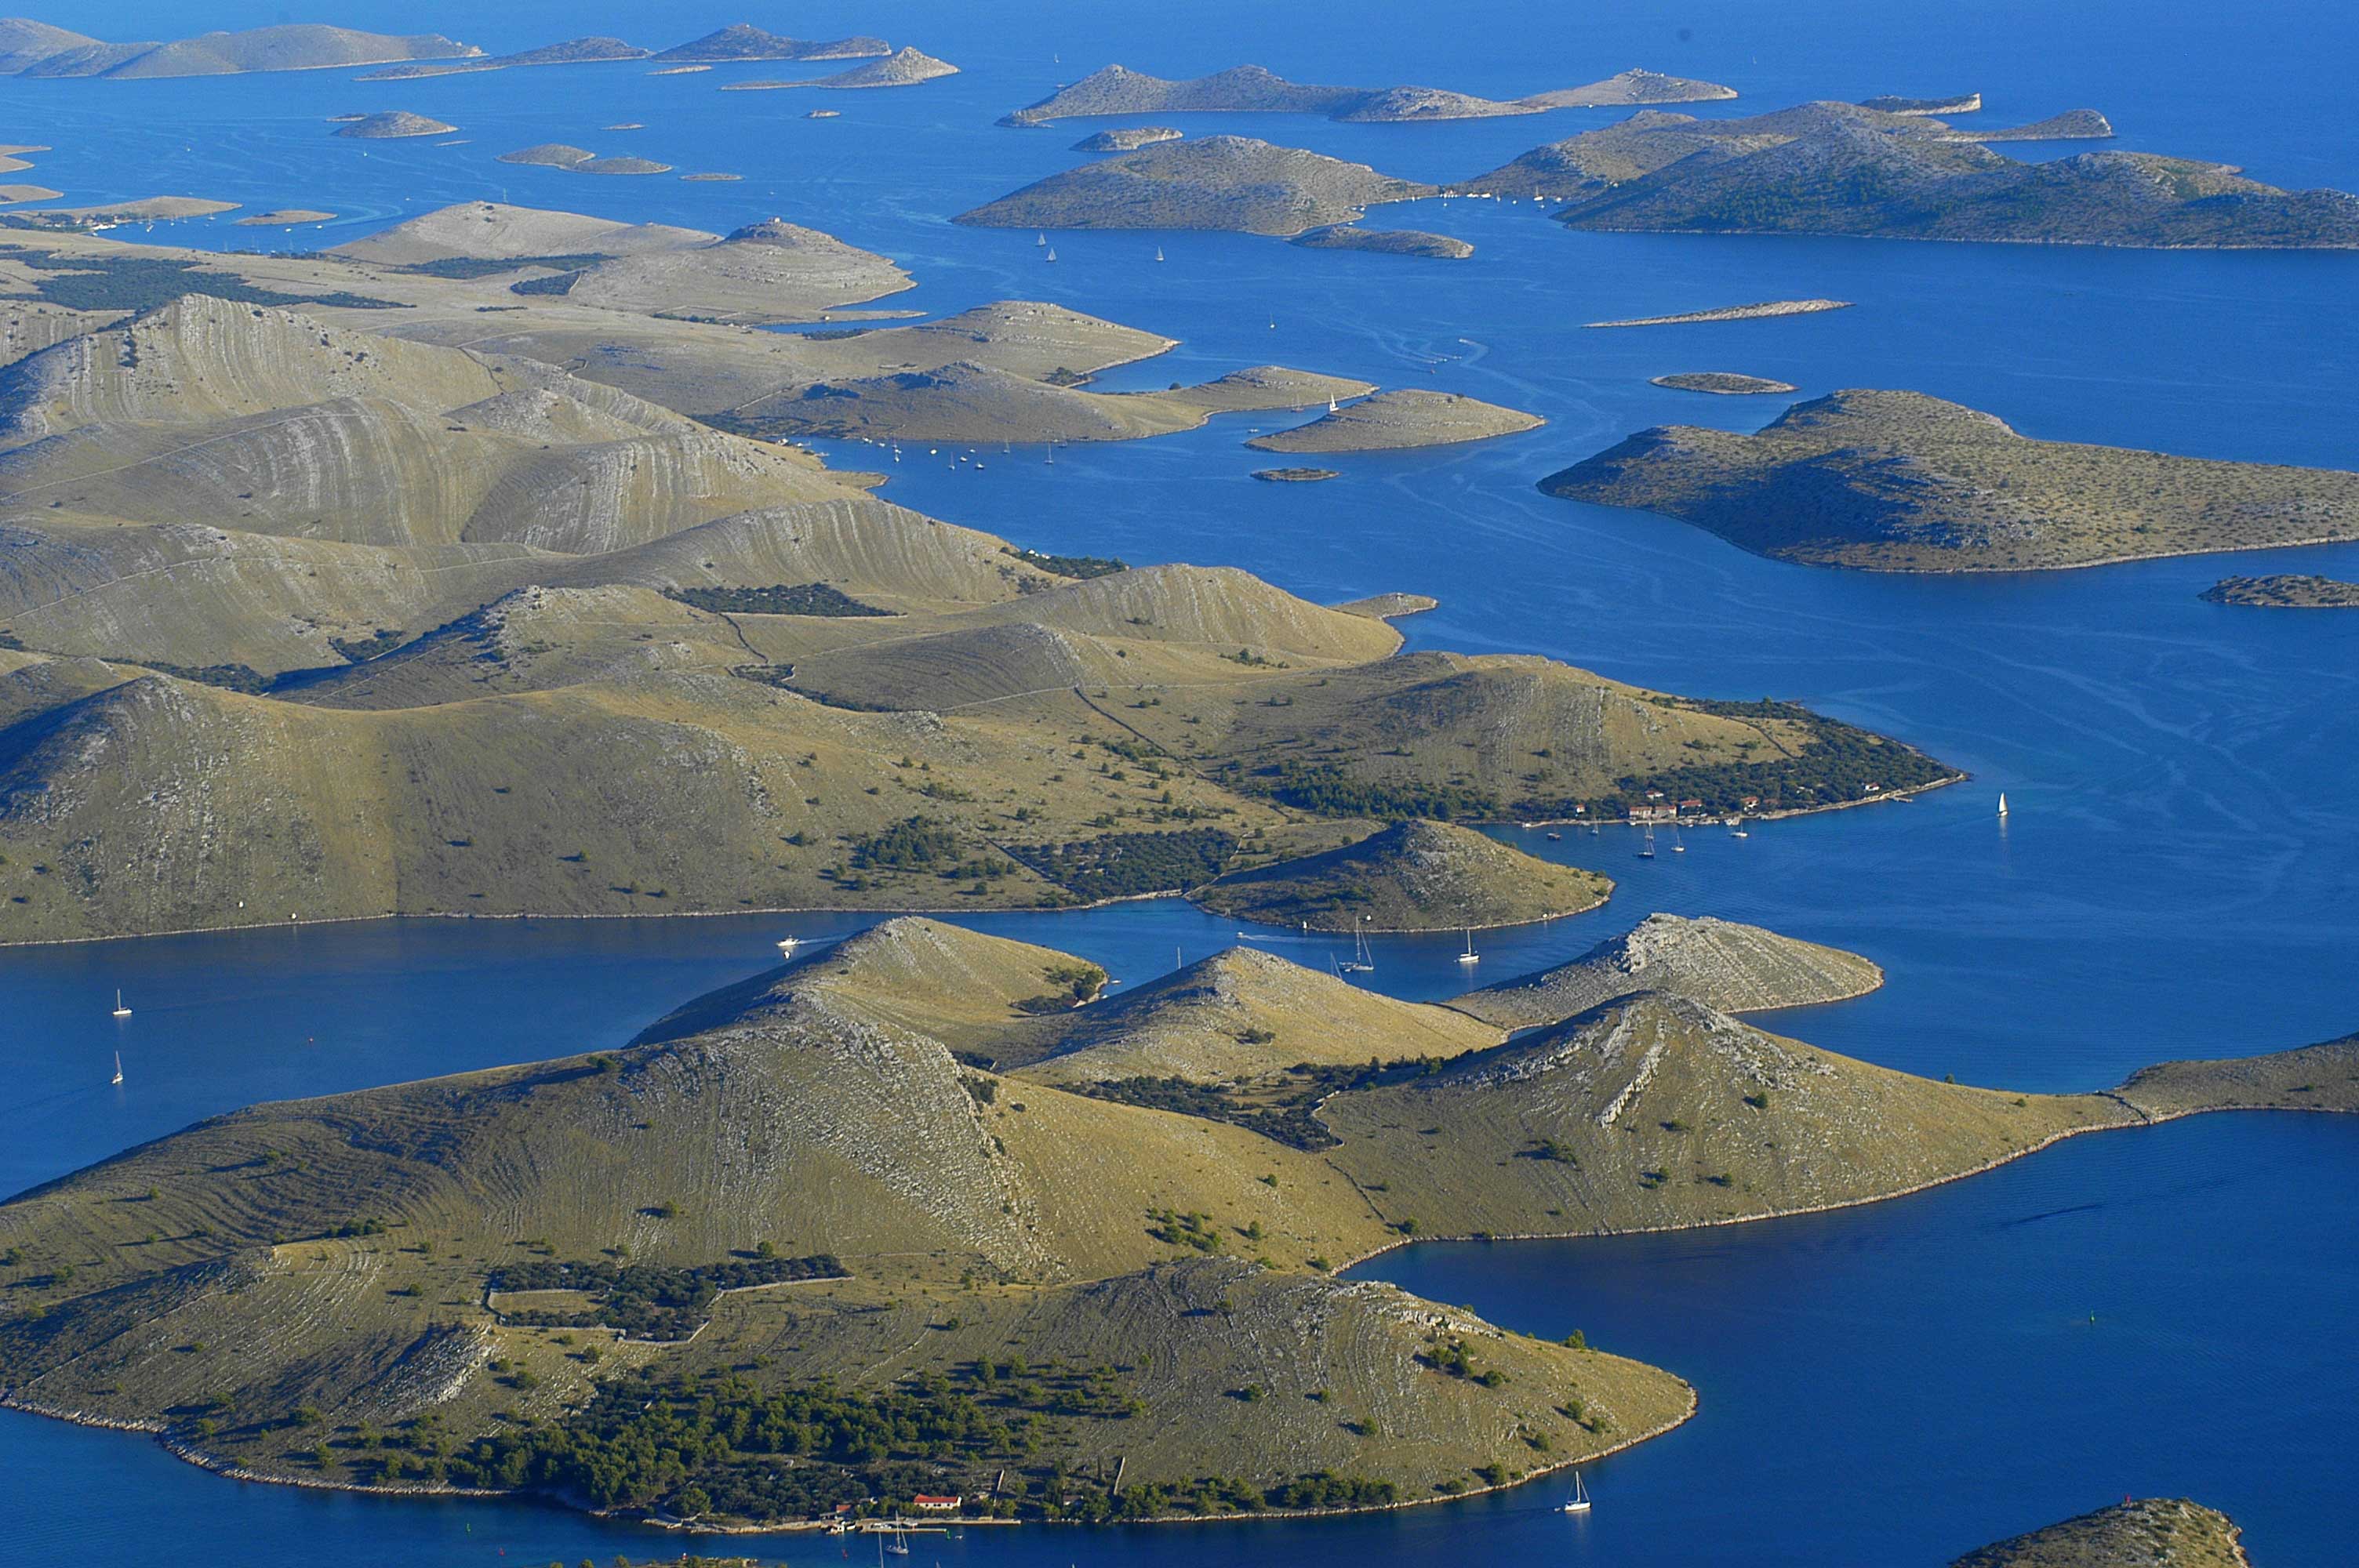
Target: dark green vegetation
(1728,383)
(1280,1106)
(2287,593)
(779,598)
(1127,865)
(645,1301)
(1838,168)
(144,282)
(1900,482)
(463,268)
(1078,566)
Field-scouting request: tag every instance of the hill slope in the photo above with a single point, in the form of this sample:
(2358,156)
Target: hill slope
(1900,482)
(1724,965)
(2168,1532)
(1252,89)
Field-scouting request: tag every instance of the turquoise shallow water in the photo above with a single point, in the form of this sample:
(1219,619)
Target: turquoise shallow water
(1885,1386)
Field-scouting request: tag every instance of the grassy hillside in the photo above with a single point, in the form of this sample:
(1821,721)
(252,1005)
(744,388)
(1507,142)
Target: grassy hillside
(1410,876)
(1899,481)
(1392,420)
(1252,90)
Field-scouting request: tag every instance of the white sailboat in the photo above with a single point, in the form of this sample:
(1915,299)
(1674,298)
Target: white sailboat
(1679,844)
(1052,253)
(1646,850)
(1040,239)
(1470,955)
(2001,803)
(1158,252)
(118,1068)
(120,1011)
(1362,961)
(1330,406)
(786,946)
(1579,1503)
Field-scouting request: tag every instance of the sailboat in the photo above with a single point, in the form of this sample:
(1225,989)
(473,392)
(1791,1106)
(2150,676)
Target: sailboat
(1470,955)
(120,1011)
(118,1068)
(899,1545)
(2001,803)
(1330,406)
(1679,844)
(1647,851)
(1040,239)
(1158,252)
(786,946)
(1052,253)
(1579,1503)
(1363,961)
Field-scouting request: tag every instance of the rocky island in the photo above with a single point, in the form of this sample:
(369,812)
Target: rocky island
(1957,103)
(1252,89)
(1900,482)
(903,68)
(1721,383)
(1219,182)
(2287,593)
(2152,1532)
(1410,876)
(1386,242)
(391,125)
(1764,310)
(1392,421)
(1295,475)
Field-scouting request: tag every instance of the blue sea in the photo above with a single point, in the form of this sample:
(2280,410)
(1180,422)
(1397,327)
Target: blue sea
(2165,1311)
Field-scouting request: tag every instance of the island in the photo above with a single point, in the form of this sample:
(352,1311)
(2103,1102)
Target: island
(904,68)
(1392,421)
(1722,383)
(743,41)
(1901,482)
(1409,876)
(32,49)
(2165,1532)
(1386,242)
(286,218)
(393,125)
(1769,174)
(1126,138)
(146,210)
(923,1210)
(1219,182)
(1295,475)
(2072,126)
(572,51)
(1252,90)
(2287,593)
(1756,312)
(582,160)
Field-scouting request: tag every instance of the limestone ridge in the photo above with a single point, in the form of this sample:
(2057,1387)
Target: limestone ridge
(2166,1532)
(1725,965)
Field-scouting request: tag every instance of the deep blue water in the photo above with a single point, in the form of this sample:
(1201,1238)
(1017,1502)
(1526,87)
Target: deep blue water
(1889,1385)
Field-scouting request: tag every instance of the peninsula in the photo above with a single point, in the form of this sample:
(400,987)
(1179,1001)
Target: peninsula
(1900,482)
(1252,89)
(1392,421)
(2302,591)
(962,1224)
(1126,138)
(1218,182)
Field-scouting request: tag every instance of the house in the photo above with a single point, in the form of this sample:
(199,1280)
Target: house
(935,1503)
(1691,806)
(1751,803)
(1654,811)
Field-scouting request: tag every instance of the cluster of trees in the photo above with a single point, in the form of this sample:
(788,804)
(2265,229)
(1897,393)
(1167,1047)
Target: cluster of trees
(467,267)
(647,1301)
(229,677)
(780,599)
(1327,790)
(1070,565)
(1284,1117)
(1448,1357)
(1123,865)
(142,283)
(912,844)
